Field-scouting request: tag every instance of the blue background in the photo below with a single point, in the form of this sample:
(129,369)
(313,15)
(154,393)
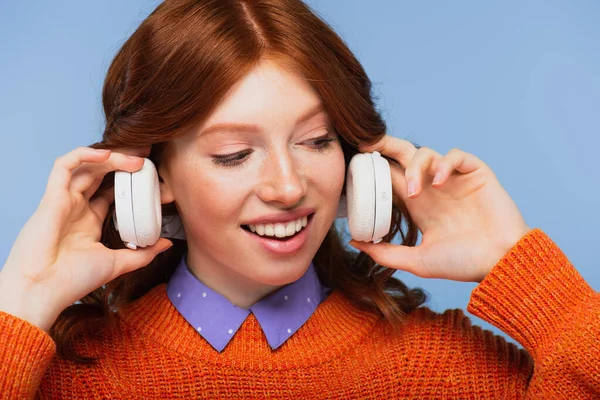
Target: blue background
(515,83)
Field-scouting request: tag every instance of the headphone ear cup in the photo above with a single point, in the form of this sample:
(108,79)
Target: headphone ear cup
(147,212)
(123,216)
(360,199)
(138,213)
(369,197)
(383,197)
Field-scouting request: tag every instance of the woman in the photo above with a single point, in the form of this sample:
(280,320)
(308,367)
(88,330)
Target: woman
(251,111)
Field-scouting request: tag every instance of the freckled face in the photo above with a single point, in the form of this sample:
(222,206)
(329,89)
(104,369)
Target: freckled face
(283,154)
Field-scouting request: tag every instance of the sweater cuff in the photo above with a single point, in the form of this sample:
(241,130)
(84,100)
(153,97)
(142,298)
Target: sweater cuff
(25,353)
(532,293)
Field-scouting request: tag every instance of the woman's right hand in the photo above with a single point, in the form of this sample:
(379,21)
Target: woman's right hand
(57,258)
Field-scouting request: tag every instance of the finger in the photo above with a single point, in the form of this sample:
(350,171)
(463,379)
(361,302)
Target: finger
(87,175)
(141,151)
(419,169)
(97,180)
(403,258)
(60,176)
(64,166)
(398,149)
(398,180)
(93,187)
(128,260)
(101,203)
(454,160)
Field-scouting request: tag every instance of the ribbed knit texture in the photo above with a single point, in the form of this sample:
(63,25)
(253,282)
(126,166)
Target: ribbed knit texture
(533,294)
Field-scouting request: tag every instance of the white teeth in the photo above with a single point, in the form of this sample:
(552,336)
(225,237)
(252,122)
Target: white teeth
(269,231)
(280,230)
(290,229)
(260,229)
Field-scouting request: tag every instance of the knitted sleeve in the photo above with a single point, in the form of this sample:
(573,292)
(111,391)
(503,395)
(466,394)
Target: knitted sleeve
(536,296)
(25,353)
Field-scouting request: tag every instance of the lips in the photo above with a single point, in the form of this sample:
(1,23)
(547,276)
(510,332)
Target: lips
(282,246)
(281,217)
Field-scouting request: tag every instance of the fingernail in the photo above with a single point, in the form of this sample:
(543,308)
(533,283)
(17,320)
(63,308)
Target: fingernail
(437,178)
(412,188)
(134,157)
(102,151)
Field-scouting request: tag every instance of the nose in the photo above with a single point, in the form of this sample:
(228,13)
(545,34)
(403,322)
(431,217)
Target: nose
(282,181)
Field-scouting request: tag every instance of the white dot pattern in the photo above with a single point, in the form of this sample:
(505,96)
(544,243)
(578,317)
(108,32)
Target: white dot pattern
(291,313)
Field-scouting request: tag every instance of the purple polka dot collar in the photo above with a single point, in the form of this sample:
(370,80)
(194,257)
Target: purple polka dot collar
(216,319)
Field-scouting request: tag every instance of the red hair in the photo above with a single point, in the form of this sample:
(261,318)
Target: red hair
(171,74)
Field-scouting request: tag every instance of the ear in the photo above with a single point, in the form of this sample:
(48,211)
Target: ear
(166,193)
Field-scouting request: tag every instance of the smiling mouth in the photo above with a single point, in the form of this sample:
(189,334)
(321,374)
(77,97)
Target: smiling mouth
(279,231)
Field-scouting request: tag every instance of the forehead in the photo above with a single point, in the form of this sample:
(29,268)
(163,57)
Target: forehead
(267,91)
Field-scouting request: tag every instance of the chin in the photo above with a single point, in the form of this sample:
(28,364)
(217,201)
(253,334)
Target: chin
(281,274)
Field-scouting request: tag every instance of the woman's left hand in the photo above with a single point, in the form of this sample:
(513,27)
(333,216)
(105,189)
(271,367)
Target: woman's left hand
(467,220)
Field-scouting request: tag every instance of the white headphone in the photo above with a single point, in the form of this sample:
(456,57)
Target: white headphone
(367,203)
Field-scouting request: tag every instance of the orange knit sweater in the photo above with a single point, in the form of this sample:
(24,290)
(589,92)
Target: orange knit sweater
(533,294)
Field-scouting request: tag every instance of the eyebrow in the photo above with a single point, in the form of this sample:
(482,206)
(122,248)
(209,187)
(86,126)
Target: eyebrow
(251,128)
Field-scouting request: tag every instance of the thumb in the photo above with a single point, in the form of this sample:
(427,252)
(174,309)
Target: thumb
(403,258)
(128,260)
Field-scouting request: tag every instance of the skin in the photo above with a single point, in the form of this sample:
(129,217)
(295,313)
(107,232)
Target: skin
(284,171)
(467,219)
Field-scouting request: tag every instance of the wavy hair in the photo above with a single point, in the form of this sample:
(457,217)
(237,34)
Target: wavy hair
(168,77)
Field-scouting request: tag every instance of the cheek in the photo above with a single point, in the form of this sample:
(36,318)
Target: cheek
(209,201)
(328,174)
(336,171)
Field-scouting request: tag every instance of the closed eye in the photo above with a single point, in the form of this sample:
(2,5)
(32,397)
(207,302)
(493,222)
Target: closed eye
(231,160)
(323,142)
